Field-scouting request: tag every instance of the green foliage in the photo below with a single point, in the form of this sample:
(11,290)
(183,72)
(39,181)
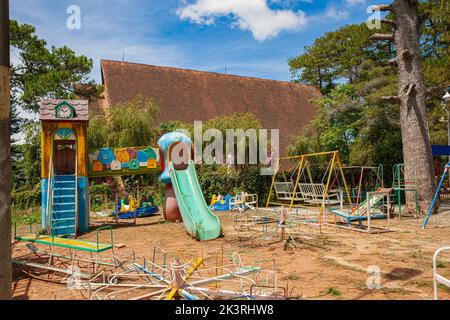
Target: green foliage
(334,292)
(39,72)
(22,199)
(100,189)
(43,72)
(235,121)
(174,125)
(133,123)
(26,158)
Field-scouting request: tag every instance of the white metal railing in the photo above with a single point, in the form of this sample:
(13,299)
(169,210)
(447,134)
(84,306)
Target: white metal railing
(437,278)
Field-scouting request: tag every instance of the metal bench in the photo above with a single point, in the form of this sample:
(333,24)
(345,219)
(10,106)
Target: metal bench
(75,244)
(285,191)
(314,193)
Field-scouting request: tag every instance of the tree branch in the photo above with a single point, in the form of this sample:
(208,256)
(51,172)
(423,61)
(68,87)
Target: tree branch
(382,7)
(392,99)
(388,21)
(382,36)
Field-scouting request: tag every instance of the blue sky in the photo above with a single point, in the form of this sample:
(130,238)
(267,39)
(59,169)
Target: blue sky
(247,37)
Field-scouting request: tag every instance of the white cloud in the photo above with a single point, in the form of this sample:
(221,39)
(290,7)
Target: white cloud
(336,14)
(253,15)
(355,2)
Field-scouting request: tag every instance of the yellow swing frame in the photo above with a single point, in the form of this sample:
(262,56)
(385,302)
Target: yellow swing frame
(335,163)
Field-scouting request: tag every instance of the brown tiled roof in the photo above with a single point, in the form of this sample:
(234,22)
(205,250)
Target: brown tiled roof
(47,109)
(189,95)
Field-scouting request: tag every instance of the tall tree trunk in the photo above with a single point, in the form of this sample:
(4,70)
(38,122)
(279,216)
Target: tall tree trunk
(413,118)
(5,156)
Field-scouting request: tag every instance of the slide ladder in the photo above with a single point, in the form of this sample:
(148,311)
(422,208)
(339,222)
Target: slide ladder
(63,211)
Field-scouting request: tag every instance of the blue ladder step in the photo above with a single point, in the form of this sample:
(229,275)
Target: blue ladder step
(64,206)
(63,220)
(63,198)
(64,179)
(63,191)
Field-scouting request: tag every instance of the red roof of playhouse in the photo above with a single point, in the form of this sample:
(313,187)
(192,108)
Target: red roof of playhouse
(189,95)
(64,110)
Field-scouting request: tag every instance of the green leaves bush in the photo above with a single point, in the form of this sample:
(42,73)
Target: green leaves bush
(23,199)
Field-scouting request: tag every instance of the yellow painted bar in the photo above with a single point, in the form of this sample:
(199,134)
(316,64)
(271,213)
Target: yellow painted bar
(189,273)
(327,187)
(300,168)
(309,155)
(345,184)
(273,183)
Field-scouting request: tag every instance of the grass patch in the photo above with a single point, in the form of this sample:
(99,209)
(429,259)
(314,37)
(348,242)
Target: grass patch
(416,254)
(334,292)
(293,277)
(443,287)
(440,264)
(422,283)
(22,217)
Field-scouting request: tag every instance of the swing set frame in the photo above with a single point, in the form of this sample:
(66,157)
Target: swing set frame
(334,164)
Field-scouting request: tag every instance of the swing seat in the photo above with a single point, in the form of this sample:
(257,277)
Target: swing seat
(285,191)
(314,193)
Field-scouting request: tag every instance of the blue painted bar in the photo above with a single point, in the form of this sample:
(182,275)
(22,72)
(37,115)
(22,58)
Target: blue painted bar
(44,187)
(439,150)
(83,204)
(436,196)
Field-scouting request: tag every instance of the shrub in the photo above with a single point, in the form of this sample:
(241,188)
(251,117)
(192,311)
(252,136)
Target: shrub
(22,199)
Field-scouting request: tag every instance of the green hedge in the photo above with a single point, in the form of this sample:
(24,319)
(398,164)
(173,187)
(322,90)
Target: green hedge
(23,199)
(215,179)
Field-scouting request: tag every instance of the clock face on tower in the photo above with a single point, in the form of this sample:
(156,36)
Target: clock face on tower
(64,111)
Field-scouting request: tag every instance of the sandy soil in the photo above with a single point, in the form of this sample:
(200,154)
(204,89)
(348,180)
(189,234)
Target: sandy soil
(332,265)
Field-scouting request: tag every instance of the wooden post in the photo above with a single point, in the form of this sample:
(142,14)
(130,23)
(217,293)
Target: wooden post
(5,156)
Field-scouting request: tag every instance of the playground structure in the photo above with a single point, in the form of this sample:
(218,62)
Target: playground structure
(305,191)
(163,276)
(328,194)
(437,278)
(240,202)
(404,181)
(187,275)
(376,206)
(67,166)
(369,179)
(244,201)
(66,258)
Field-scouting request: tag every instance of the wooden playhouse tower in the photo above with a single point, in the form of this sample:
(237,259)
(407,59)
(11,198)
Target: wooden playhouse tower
(64,167)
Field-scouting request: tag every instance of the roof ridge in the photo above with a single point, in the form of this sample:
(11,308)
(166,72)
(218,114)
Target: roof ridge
(306,86)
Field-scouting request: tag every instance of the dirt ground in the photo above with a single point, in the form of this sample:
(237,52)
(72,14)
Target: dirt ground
(332,265)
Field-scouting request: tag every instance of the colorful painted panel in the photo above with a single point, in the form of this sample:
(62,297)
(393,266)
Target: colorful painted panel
(64,134)
(124,161)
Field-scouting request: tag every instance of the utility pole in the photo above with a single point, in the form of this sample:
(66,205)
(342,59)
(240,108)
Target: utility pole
(5,156)
(411,97)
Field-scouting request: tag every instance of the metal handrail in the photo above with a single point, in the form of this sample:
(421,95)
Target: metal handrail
(435,282)
(110,235)
(76,194)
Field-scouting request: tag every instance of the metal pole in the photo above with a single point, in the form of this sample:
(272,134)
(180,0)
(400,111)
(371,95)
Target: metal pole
(448,131)
(5,156)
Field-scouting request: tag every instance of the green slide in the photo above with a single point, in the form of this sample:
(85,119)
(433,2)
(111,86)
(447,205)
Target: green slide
(200,222)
